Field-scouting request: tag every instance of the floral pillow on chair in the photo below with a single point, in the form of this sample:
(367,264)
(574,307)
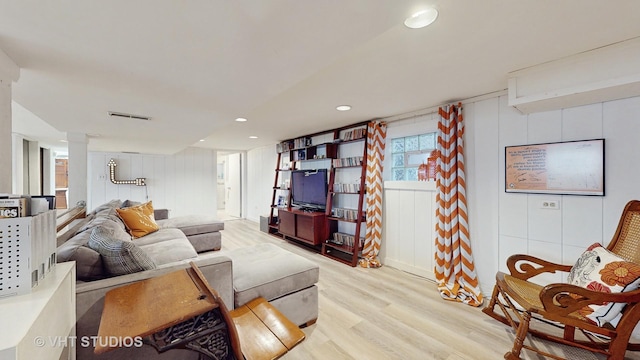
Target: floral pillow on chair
(598,269)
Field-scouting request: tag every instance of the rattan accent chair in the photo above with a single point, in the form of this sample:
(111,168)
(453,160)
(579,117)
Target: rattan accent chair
(521,300)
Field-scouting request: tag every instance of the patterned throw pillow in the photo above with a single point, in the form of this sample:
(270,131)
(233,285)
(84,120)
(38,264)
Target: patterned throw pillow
(119,257)
(139,219)
(598,269)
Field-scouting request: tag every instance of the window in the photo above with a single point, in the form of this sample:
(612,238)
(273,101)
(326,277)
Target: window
(408,153)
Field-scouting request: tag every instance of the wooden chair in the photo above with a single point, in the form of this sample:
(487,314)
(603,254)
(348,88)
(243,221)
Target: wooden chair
(521,300)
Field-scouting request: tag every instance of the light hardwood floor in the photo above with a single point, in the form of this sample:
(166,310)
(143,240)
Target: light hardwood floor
(389,314)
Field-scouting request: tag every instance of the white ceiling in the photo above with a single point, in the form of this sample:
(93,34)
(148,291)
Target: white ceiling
(194,66)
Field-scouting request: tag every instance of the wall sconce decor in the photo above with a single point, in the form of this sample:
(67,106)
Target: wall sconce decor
(112,176)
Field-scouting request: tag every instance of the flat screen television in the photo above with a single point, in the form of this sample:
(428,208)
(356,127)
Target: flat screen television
(309,189)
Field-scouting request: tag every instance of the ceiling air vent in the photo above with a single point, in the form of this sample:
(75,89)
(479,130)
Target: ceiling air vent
(128,116)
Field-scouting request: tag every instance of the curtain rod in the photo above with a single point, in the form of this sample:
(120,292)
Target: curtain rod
(434,109)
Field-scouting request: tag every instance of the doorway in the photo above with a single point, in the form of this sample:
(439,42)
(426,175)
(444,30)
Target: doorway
(62,182)
(229,186)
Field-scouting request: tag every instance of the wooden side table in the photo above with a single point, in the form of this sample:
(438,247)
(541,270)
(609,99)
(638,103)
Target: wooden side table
(176,310)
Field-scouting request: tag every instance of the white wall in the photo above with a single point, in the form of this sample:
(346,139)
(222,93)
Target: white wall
(184,182)
(261,165)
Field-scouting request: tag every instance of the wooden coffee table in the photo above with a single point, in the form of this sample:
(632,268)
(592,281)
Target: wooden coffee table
(175,310)
(179,310)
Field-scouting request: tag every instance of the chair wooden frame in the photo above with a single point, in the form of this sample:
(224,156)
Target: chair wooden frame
(521,300)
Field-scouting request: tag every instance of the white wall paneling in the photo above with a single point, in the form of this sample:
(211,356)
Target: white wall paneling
(78,168)
(261,164)
(409,226)
(620,128)
(184,183)
(9,73)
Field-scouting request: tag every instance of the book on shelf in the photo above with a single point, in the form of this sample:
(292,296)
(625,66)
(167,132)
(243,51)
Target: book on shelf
(346,214)
(354,134)
(346,188)
(14,207)
(288,145)
(346,240)
(348,161)
(282,201)
(284,146)
(301,142)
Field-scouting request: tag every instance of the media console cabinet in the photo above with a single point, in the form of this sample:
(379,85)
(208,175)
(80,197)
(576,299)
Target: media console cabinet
(310,227)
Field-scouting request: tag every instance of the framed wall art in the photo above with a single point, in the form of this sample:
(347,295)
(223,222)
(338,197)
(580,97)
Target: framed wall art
(565,168)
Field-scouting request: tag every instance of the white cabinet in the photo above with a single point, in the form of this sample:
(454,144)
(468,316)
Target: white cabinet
(41,324)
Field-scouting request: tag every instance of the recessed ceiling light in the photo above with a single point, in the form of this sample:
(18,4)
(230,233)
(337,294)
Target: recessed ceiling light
(241,119)
(343,108)
(421,19)
(253,137)
(201,140)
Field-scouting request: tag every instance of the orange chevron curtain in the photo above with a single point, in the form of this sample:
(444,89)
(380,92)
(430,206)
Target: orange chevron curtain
(454,269)
(376,134)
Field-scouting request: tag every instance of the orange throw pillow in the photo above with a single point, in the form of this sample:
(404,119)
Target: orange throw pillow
(139,219)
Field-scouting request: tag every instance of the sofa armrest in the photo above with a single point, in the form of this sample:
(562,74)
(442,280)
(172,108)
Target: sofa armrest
(160,214)
(90,295)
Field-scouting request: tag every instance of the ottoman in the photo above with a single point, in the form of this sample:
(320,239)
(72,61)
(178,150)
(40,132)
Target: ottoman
(203,231)
(285,279)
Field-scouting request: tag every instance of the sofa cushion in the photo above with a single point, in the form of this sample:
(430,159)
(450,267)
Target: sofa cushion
(193,224)
(107,219)
(89,264)
(160,236)
(139,219)
(110,205)
(170,248)
(128,203)
(206,242)
(119,257)
(269,271)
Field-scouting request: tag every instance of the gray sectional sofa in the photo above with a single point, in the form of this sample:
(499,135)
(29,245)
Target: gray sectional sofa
(285,279)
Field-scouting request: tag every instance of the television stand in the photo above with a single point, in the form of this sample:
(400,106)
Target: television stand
(310,227)
(309,209)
